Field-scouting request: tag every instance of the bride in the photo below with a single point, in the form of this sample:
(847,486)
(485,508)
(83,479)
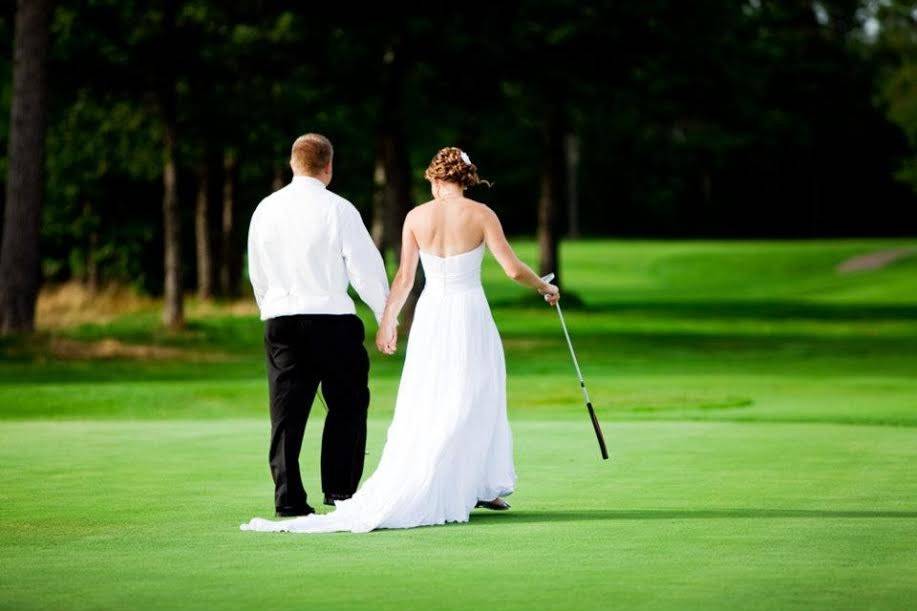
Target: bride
(449,446)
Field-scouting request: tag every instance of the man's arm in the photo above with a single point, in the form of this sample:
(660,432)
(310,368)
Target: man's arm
(365,268)
(255,273)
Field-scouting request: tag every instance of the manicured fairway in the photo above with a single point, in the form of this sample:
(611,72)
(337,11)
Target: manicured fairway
(760,407)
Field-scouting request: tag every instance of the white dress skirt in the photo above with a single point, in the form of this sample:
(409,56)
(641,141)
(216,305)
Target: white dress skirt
(449,443)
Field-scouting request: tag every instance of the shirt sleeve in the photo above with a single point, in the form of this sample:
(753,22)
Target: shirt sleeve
(365,268)
(255,270)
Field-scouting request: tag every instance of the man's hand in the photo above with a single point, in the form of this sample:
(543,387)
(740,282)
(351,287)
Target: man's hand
(387,337)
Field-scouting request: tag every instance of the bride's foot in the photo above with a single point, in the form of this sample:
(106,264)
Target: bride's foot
(497,504)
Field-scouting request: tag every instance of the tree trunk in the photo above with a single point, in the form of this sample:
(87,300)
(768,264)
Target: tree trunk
(19,258)
(89,225)
(279,179)
(229,257)
(92,263)
(173,315)
(397,192)
(550,200)
(571,154)
(202,235)
(547,238)
(380,238)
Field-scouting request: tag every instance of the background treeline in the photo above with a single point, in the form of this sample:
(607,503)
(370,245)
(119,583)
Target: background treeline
(168,121)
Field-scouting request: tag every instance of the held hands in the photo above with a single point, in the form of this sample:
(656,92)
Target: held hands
(551,293)
(387,337)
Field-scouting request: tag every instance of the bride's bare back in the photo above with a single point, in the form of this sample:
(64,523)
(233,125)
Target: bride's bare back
(446,227)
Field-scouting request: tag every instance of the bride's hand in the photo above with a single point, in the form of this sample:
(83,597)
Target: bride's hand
(387,338)
(551,293)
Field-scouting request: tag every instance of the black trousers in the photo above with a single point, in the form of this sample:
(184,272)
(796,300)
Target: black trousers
(303,351)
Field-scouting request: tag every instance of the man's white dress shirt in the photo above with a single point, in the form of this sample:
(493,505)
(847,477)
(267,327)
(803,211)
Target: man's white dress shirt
(305,245)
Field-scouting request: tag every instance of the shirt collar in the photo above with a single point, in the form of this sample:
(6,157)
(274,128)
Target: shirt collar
(307,180)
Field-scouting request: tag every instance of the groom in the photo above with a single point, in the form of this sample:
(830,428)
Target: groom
(305,245)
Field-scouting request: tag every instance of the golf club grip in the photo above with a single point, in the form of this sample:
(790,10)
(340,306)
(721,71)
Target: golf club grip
(598,431)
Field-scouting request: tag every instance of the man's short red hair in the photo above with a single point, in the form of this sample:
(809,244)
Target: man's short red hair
(311,153)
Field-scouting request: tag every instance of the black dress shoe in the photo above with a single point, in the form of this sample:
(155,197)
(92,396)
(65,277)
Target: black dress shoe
(496,505)
(331,498)
(294,513)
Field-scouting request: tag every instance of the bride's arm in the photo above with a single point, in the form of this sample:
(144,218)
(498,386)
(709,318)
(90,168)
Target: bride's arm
(512,266)
(387,335)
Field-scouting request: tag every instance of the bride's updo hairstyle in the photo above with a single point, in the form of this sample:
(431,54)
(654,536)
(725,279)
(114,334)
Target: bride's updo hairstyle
(452,165)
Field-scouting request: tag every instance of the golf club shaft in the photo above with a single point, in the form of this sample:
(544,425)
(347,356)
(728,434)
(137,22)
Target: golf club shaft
(579,373)
(582,385)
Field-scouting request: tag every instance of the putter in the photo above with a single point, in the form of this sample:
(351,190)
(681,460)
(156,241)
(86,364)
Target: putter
(579,375)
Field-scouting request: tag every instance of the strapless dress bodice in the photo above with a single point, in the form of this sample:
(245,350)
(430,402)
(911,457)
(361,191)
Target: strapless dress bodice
(452,274)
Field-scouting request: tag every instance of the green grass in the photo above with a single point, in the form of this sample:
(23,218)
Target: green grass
(761,411)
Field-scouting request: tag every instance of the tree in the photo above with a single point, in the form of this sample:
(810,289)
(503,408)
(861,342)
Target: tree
(229,253)
(392,149)
(173,315)
(555,37)
(898,40)
(553,189)
(689,119)
(571,159)
(173,306)
(19,262)
(102,151)
(203,247)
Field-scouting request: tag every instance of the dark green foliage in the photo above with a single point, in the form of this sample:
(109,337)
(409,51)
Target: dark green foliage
(702,118)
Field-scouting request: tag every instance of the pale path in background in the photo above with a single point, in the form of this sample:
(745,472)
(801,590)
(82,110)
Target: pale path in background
(449,443)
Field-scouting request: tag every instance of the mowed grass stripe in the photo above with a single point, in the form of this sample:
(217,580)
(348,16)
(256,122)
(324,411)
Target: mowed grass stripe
(686,514)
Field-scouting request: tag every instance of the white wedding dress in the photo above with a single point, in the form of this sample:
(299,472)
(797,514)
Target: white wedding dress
(449,443)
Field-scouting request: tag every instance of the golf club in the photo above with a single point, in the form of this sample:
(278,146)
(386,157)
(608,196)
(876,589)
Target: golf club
(579,375)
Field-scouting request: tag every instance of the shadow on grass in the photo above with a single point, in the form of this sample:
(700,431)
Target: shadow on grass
(769,310)
(643,352)
(590,515)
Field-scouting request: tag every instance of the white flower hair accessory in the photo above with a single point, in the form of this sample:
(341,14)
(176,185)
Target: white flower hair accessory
(465,158)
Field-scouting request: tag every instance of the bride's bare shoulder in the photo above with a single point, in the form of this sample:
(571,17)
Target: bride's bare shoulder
(482,211)
(419,211)
(423,208)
